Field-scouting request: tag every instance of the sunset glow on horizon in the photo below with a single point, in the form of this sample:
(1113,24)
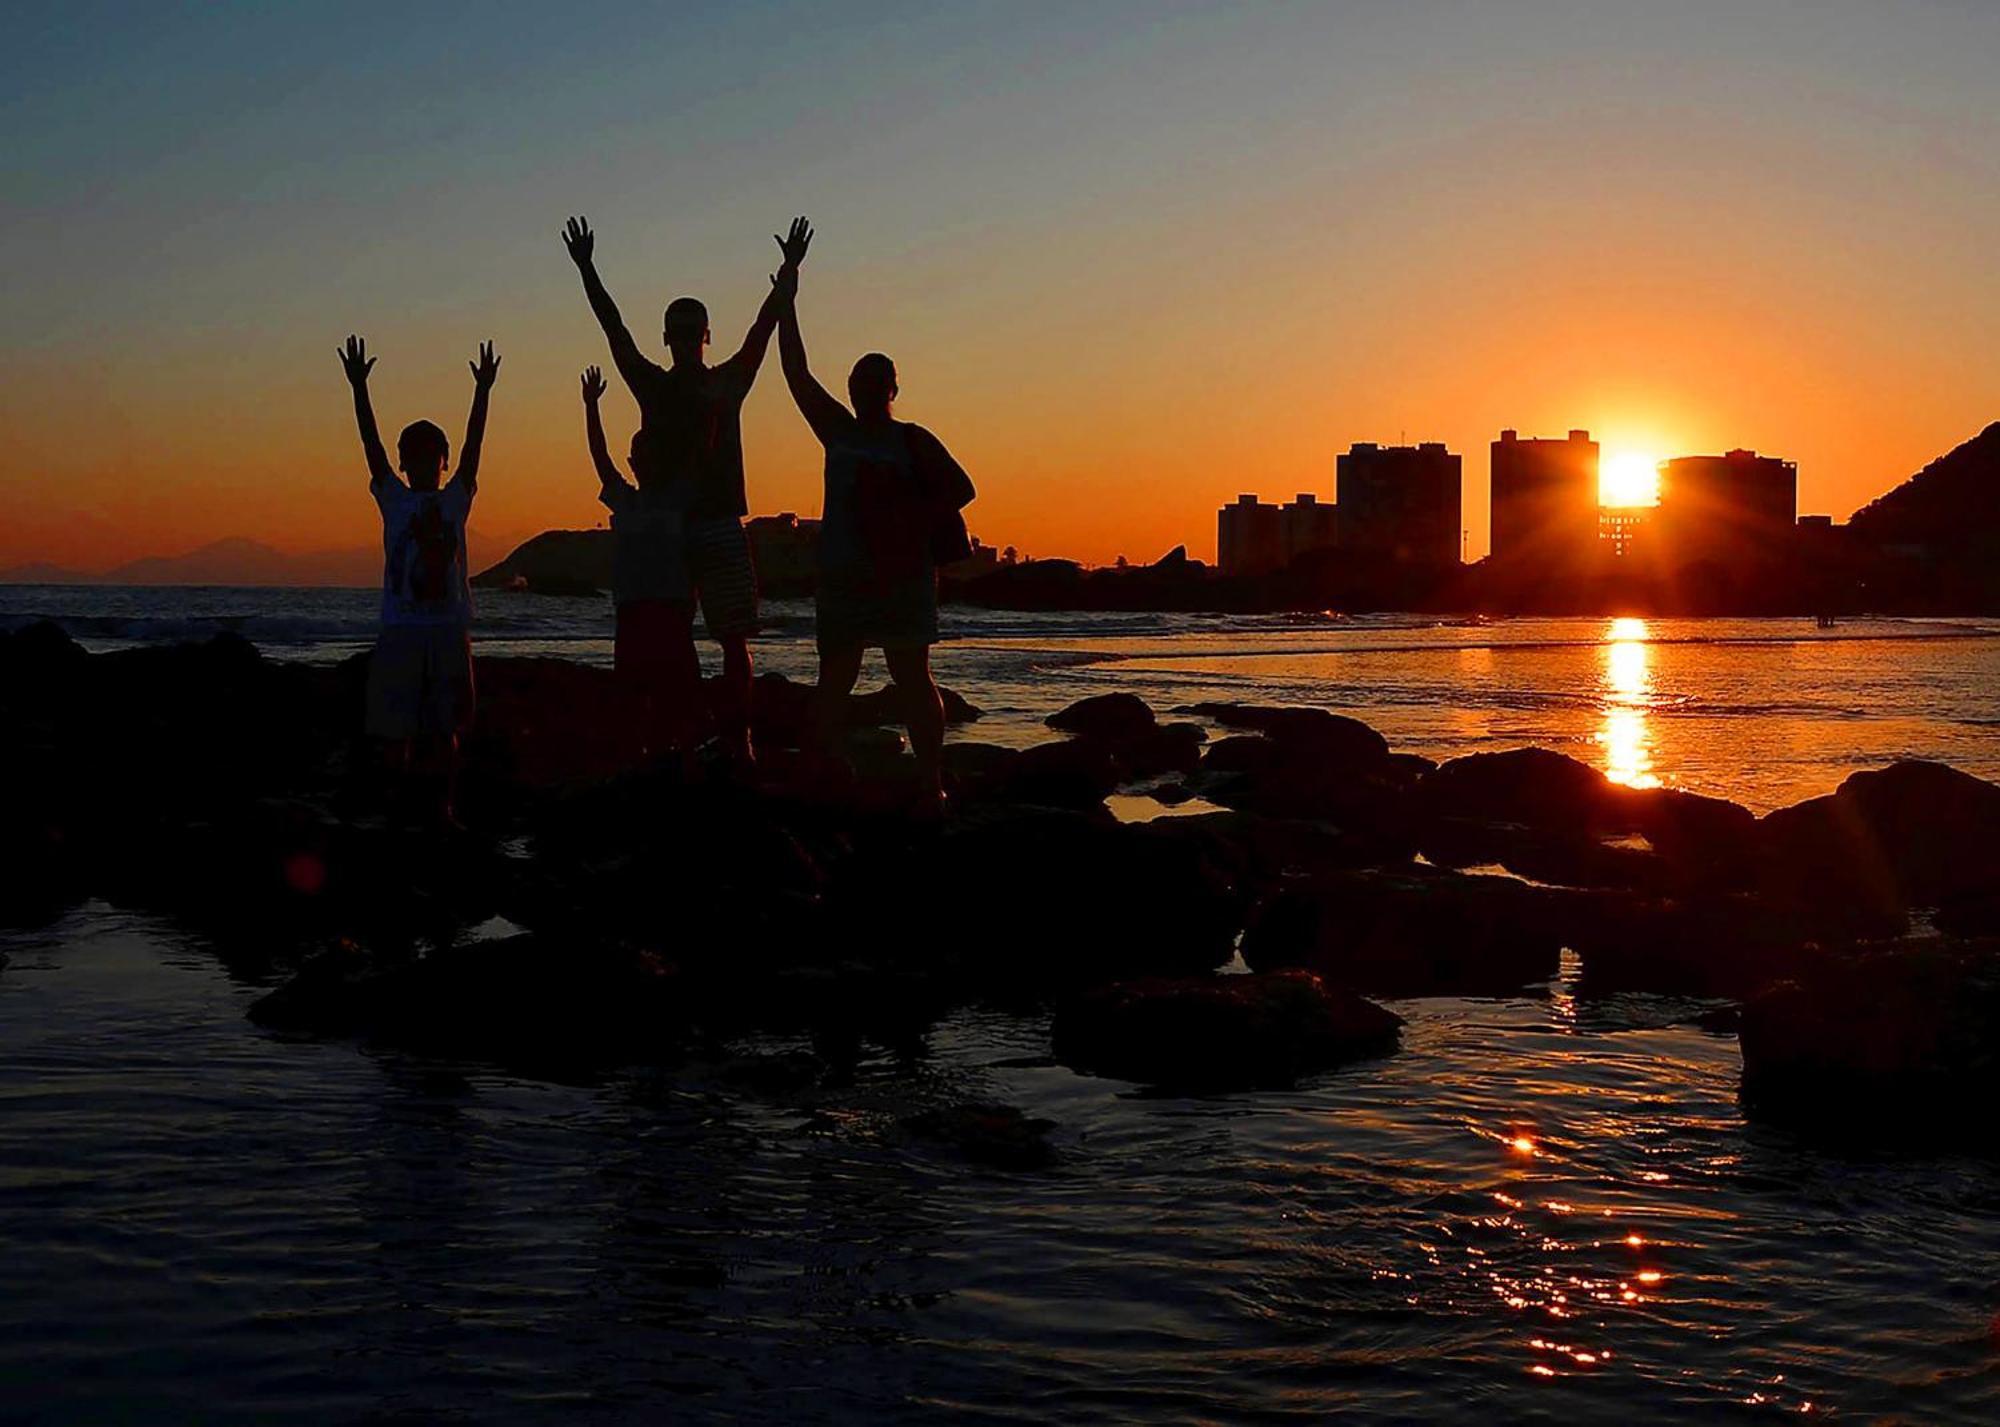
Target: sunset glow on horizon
(1129,262)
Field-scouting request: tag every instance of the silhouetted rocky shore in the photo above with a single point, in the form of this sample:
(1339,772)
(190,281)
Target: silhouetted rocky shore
(650,916)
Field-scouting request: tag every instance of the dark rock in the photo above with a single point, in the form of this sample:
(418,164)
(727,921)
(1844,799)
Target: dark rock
(1413,932)
(1259,852)
(1545,815)
(1170,748)
(612,861)
(1242,753)
(877,755)
(1530,787)
(885,706)
(1724,1020)
(1314,733)
(1221,1032)
(39,652)
(1111,716)
(1557,858)
(972,769)
(1721,944)
(516,1000)
(1021,896)
(1068,774)
(999,1136)
(781,711)
(291,869)
(1690,829)
(1117,739)
(1970,914)
(1306,763)
(1914,834)
(1291,780)
(1409,769)
(1896,1041)
(546,722)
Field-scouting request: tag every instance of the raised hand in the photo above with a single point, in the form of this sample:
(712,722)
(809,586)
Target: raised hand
(355,361)
(785,284)
(487,368)
(794,244)
(580,241)
(593,385)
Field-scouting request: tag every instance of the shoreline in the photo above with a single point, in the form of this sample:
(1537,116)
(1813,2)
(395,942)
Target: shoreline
(243,799)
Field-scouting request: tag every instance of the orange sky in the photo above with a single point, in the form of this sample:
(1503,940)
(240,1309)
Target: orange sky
(1125,275)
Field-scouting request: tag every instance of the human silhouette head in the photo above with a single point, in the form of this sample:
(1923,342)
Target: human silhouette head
(871,386)
(421,452)
(641,458)
(686,328)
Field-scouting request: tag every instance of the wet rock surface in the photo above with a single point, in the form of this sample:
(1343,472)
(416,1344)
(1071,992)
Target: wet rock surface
(659,907)
(1896,1040)
(1221,1032)
(997,1136)
(1411,932)
(1546,816)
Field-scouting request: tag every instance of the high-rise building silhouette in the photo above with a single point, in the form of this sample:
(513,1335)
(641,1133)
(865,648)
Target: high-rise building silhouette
(1306,526)
(1545,500)
(1400,502)
(1252,538)
(1734,509)
(1249,537)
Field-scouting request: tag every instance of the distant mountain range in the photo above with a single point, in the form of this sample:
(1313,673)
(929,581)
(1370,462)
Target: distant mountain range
(235,561)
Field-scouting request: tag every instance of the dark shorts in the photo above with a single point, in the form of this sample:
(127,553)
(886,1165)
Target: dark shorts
(653,650)
(876,615)
(420,681)
(725,579)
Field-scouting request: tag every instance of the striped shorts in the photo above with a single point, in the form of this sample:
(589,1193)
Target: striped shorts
(725,580)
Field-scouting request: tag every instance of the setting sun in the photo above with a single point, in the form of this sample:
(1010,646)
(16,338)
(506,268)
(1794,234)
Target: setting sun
(1628,478)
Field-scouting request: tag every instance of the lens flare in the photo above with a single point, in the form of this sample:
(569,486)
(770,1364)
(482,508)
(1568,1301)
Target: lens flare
(1628,478)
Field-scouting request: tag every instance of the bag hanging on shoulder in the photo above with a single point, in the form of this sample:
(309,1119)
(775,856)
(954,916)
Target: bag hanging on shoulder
(946,492)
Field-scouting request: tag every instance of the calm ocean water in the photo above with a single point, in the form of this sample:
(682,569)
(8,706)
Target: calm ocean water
(202,1222)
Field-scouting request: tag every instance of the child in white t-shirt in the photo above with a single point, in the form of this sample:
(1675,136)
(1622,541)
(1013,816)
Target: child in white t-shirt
(420,691)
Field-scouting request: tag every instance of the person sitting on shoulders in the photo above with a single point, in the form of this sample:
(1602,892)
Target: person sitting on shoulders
(653,652)
(420,690)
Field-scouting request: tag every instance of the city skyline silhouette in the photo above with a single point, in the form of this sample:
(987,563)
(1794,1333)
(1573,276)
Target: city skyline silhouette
(1197,258)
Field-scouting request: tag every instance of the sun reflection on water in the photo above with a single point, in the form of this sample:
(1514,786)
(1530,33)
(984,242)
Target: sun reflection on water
(1628,698)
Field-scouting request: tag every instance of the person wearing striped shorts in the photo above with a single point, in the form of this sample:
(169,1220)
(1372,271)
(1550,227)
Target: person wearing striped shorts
(691,414)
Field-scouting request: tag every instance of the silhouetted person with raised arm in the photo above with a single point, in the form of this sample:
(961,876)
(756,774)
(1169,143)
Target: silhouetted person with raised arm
(889,485)
(420,693)
(654,649)
(691,415)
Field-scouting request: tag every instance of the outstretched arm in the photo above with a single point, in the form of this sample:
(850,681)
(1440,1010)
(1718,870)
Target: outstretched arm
(484,372)
(356,363)
(750,356)
(611,480)
(826,416)
(625,354)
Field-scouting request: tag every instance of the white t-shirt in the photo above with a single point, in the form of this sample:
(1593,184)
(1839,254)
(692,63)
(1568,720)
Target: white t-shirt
(423,554)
